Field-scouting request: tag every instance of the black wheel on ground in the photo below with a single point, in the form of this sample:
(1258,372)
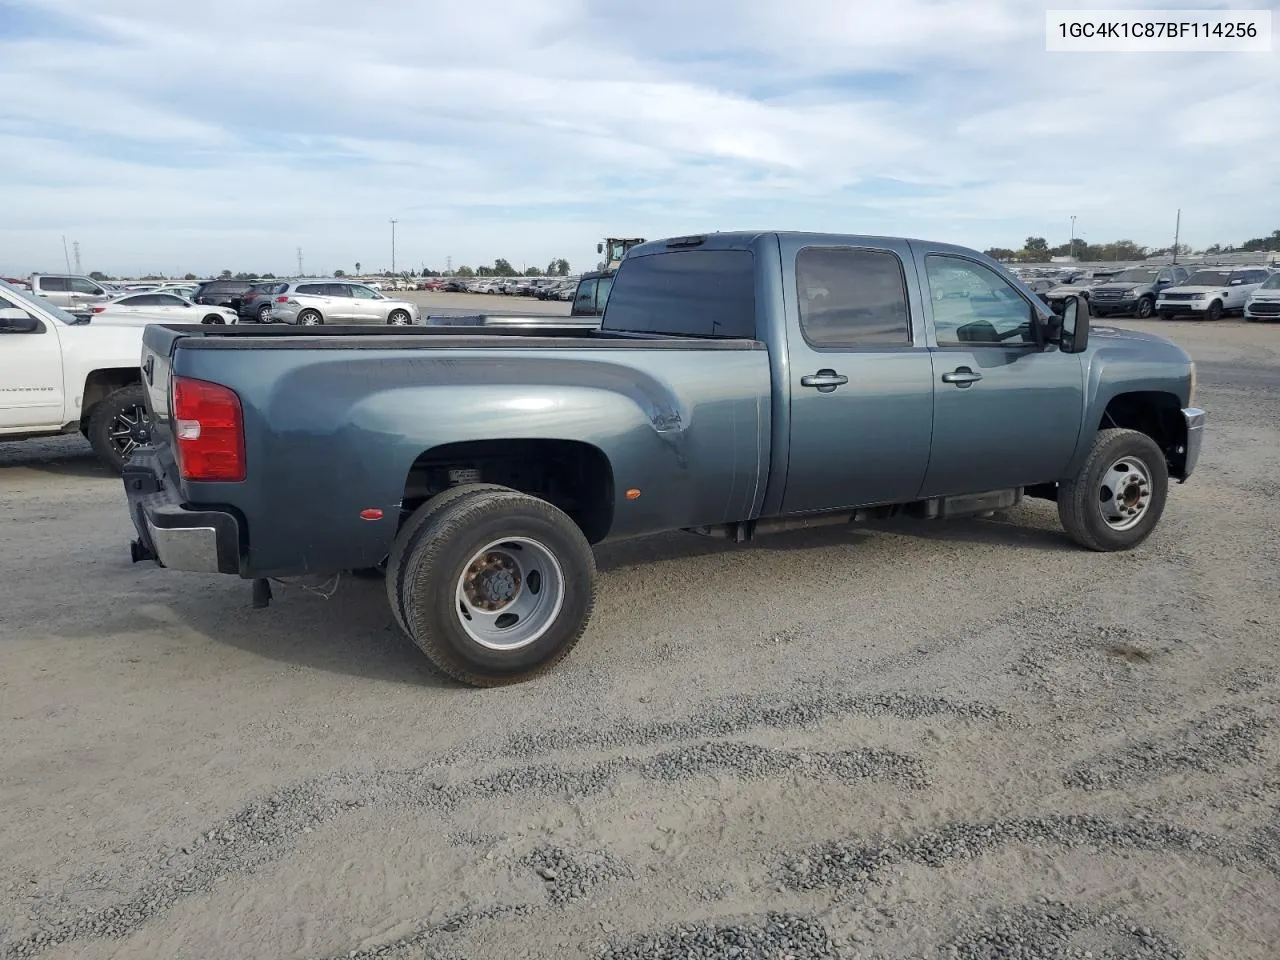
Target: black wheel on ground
(1215,311)
(409,531)
(399,318)
(1146,306)
(118,425)
(214,318)
(1117,498)
(310,318)
(497,587)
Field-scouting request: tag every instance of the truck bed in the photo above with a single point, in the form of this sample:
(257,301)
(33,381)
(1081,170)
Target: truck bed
(463,336)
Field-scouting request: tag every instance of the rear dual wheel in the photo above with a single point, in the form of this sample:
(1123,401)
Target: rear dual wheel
(493,585)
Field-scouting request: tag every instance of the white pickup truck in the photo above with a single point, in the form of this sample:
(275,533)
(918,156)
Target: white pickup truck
(59,375)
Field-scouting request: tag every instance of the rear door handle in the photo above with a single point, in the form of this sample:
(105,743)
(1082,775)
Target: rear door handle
(825,380)
(961,377)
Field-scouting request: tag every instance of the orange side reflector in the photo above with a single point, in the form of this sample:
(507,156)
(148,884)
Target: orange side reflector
(633,493)
(373,513)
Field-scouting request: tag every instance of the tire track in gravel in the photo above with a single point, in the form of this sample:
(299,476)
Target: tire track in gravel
(268,828)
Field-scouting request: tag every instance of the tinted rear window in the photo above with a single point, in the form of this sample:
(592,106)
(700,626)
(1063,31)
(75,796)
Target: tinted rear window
(691,293)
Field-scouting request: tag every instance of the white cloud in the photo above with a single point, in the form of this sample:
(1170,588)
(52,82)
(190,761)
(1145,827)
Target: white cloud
(530,130)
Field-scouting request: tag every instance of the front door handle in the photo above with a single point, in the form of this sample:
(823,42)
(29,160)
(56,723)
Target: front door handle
(961,377)
(825,380)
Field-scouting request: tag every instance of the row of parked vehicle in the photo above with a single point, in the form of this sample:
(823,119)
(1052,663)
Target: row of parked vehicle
(1169,292)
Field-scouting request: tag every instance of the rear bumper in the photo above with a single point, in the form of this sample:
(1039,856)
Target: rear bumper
(1194,418)
(171,534)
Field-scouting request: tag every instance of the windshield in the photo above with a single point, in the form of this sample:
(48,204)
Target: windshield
(53,310)
(1273,282)
(1208,278)
(1135,276)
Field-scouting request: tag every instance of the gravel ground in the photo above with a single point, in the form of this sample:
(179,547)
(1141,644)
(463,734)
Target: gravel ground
(963,740)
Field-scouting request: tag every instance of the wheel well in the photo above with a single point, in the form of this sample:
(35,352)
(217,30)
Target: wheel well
(574,476)
(1159,416)
(99,384)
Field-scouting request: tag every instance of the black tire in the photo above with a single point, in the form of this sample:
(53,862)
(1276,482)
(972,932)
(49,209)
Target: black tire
(1215,311)
(214,318)
(109,416)
(450,540)
(1080,499)
(1146,306)
(407,535)
(399,318)
(264,314)
(310,318)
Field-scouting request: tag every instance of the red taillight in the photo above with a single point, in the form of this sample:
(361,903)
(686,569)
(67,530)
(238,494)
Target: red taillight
(99,309)
(282,299)
(208,428)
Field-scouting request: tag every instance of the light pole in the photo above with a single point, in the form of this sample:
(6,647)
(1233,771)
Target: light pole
(1073,237)
(394,221)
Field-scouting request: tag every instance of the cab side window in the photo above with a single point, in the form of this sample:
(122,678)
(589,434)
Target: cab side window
(973,305)
(852,297)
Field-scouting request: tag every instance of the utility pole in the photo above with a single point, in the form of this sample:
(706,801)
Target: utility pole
(448,265)
(66,256)
(75,245)
(299,261)
(1073,237)
(394,221)
(1177,229)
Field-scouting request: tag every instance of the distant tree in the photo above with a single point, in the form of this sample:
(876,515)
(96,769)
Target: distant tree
(533,272)
(558,267)
(464,272)
(339,273)
(190,276)
(503,268)
(225,274)
(97,275)
(245,276)
(1000,253)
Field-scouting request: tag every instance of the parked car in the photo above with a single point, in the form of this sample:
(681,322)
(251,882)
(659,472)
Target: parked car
(739,383)
(1078,286)
(314,302)
(255,303)
(164,307)
(74,294)
(591,294)
(62,375)
(1208,294)
(221,293)
(1134,291)
(1264,302)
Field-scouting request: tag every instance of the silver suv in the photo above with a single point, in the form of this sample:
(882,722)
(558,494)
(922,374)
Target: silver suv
(313,302)
(70,292)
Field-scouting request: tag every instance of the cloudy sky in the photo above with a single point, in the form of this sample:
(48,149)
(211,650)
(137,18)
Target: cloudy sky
(179,137)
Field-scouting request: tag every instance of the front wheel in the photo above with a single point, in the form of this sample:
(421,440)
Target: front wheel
(118,425)
(214,318)
(1215,311)
(1117,498)
(1146,306)
(495,587)
(399,318)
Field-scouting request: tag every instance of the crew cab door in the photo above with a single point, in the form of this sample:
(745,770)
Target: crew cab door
(31,388)
(861,384)
(1006,412)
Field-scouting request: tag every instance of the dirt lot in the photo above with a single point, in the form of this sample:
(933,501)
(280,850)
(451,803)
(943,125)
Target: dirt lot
(965,740)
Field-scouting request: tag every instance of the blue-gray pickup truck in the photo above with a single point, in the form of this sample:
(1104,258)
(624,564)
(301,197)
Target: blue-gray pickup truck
(738,383)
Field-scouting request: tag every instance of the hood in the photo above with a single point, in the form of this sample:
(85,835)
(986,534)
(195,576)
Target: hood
(1106,331)
(1114,286)
(1273,294)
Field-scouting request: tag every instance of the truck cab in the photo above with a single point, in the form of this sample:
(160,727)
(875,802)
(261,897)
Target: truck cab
(62,374)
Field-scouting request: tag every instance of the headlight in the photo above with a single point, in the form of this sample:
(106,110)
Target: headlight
(1201,296)
(1131,294)
(1191,394)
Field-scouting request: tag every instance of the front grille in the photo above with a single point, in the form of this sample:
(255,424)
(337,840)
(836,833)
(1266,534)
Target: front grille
(1109,294)
(1270,308)
(1182,296)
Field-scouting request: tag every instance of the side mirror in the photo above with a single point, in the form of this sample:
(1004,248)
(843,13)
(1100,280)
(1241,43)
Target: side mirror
(1073,336)
(13,320)
(599,248)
